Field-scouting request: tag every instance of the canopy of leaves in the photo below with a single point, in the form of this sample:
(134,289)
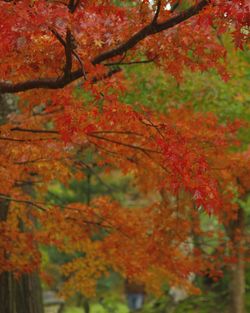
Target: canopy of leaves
(51,47)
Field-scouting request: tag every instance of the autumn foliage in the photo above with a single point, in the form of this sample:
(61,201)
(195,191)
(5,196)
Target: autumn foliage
(50,50)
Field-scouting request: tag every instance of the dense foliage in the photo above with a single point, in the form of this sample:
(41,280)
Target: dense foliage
(184,161)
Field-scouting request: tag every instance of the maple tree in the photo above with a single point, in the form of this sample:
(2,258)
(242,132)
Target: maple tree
(52,49)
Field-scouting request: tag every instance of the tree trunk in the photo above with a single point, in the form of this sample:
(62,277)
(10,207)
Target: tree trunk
(237,284)
(23,295)
(237,292)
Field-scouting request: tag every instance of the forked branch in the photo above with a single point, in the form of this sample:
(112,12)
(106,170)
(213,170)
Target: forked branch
(59,82)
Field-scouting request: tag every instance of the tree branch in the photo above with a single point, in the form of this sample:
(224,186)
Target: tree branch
(131,63)
(22,201)
(69,77)
(107,75)
(42,83)
(69,50)
(72,6)
(157,12)
(51,83)
(174,6)
(68,54)
(151,29)
(26,140)
(142,149)
(37,131)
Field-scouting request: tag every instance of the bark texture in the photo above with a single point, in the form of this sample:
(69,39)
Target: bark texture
(20,296)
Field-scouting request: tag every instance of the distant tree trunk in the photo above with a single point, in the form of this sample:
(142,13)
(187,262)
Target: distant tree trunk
(237,282)
(83,302)
(25,294)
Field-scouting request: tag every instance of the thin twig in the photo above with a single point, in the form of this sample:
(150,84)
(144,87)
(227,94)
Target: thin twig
(124,144)
(131,63)
(22,201)
(44,131)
